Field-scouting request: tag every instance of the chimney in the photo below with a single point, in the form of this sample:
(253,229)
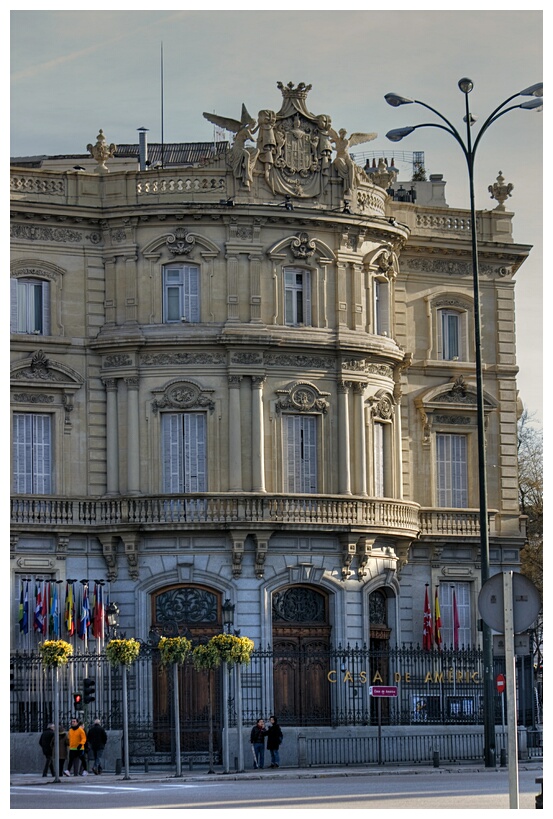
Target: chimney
(142,148)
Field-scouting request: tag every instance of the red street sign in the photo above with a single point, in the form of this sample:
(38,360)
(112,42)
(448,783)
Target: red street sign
(383,690)
(500,683)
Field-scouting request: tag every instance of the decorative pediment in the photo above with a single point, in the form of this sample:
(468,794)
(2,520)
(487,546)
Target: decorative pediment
(183,395)
(453,404)
(382,406)
(301,396)
(302,247)
(181,242)
(383,261)
(37,369)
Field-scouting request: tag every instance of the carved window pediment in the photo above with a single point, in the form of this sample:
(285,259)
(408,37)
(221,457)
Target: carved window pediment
(183,395)
(37,369)
(301,396)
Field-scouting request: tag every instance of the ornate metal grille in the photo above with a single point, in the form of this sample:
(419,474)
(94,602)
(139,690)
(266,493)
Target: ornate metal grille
(299,605)
(186,605)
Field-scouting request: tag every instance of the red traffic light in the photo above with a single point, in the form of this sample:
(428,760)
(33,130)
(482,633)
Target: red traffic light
(77,700)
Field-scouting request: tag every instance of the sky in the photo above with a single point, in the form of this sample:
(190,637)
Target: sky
(73,72)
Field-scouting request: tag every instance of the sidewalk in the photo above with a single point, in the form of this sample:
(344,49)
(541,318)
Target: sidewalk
(201,774)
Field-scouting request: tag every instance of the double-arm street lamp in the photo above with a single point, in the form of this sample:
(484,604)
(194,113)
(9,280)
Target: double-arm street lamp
(468,148)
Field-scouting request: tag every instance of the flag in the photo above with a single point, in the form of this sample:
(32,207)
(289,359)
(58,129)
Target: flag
(69,610)
(37,624)
(54,612)
(455,622)
(98,613)
(45,607)
(437,622)
(84,620)
(427,624)
(24,610)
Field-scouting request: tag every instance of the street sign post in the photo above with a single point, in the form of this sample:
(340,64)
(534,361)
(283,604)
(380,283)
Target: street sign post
(380,691)
(383,690)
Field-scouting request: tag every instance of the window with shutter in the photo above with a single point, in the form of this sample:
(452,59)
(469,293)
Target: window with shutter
(32,454)
(452,334)
(183,441)
(381,307)
(462,603)
(451,467)
(181,293)
(297,297)
(378,430)
(30,306)
(300,447)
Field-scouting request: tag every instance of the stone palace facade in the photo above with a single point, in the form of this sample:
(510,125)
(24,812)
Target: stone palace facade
(251,378)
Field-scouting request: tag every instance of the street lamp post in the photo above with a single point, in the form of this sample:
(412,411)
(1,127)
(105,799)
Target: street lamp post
(228,622)
(469,150)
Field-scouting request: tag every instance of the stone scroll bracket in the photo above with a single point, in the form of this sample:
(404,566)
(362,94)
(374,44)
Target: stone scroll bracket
(109,551)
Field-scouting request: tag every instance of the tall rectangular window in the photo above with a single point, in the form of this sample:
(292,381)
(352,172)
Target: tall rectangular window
(455,618)
(452,474)
(297,297)
(378,432)
(30,306)
(300,451)
(32,454)
(183,442)
(181,293)
(381,291)
(452,335)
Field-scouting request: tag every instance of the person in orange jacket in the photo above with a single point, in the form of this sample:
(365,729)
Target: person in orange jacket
(76,741)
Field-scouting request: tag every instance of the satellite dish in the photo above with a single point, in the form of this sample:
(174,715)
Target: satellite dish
(526,603)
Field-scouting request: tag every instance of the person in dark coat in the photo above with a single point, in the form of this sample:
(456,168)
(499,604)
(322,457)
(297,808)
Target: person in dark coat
(46,742)
(257,739)
(274,739)
(97,739)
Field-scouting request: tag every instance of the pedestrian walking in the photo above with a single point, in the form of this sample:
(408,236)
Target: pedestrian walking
(97,739)
(62,751)
(46,742)
(274,740)
(257,739)
(77,742)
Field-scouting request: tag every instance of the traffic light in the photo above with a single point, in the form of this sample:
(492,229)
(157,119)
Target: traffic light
(78,701)
(89,686)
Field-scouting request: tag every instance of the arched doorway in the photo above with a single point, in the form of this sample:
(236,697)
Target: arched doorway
(193,611)
(301,645)
(379,646)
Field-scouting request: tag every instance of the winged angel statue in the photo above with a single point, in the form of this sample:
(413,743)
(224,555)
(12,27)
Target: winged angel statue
(242,157)
(343,162)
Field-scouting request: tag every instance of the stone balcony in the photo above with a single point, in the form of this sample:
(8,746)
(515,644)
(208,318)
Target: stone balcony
(320,513)
(329,513)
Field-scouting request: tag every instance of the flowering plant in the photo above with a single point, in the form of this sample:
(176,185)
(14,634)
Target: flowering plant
(174,650)
(122,652)
(223,648)
(55,652)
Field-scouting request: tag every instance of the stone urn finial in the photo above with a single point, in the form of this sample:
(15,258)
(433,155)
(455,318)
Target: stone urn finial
(101,152)
(500,191)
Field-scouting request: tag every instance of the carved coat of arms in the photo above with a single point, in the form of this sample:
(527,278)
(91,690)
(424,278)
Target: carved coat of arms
(293,146)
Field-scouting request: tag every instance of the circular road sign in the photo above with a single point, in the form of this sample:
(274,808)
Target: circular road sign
(526,602)
(500,683)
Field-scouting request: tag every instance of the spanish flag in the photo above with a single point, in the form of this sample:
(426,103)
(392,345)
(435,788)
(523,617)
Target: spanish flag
(437,622)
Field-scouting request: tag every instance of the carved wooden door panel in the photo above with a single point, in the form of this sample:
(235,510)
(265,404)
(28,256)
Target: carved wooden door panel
(196,613)
(301,642)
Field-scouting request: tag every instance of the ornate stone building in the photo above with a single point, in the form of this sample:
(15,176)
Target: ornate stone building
(252,378)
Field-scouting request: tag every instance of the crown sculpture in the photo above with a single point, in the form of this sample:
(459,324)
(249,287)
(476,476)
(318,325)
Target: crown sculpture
(293,147)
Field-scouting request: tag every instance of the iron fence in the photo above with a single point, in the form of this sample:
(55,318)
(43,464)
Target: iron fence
(311,687)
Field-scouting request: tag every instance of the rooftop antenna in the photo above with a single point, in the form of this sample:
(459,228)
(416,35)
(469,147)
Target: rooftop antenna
(162,139)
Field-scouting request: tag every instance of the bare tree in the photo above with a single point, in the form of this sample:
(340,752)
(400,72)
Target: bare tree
(530,490)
